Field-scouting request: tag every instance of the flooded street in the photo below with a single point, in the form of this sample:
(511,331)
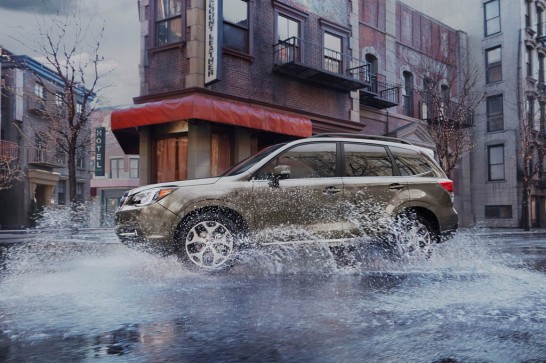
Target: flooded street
(85,297)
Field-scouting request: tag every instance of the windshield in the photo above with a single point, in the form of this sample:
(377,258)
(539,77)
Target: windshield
(247,163)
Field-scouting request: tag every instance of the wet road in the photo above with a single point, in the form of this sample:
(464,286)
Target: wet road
(84,297)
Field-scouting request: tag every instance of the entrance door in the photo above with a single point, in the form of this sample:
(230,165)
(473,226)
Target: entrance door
(171,158)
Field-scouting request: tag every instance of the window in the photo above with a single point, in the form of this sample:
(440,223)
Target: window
(493,61)
(314,160)
(498,211)
(492,17)
(168,22)
(444,102)
(495,117)
(407,90)
(528,20)
(61,192)
(410,163)
(539,22)
(80,157)
(540,69)
(288,31)
(79,108)
(116,168)
(366,160)
(529,61)
(59,99)
(133,168)
(236,26)
(530,110)
(79,192)
(332,53)
(39,90)
(495,157)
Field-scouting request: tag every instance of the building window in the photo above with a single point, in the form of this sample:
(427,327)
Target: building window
(495,117)
(407,91)
(80,157)
(492,17)
(530,110)
(116,168)
(236,26)
(168,22)
(288,31)
(493,61)
(498,211)
(370,76)
(39,90)
(495,161)
(539,22)
(59,99)
(333,46)
(541,69)
(133,168)
(529,62)
(61,192)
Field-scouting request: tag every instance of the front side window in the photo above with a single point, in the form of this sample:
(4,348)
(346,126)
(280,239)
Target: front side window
(495,116)
(495,156)
(366,160)
(168,22)
(492,17)
(236,25)
(314,160)
(493,61)
(332,53)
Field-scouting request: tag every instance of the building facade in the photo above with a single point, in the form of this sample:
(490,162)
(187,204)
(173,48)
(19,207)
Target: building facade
(223,79)
(506,45)
(26,94)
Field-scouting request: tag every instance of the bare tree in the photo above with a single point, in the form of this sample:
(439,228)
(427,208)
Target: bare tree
(71,49)
(10,170)
(449,99)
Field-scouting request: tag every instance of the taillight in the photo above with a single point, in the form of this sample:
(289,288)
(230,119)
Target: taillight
(448,186)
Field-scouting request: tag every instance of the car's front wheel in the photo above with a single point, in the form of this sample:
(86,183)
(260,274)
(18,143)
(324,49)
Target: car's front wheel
(207,242)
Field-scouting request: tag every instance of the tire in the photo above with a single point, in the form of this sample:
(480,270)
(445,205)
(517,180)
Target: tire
(414,235)
(206,242)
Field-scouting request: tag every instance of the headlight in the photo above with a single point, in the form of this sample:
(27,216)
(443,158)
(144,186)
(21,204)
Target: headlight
(150,196)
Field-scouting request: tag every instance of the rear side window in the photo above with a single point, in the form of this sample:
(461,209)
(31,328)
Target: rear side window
(410,162)
(313,160)
(366,160)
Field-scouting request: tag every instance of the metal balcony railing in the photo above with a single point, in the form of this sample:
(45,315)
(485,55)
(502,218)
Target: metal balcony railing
(8,150)
(45,157)
(312,62)
(380,93)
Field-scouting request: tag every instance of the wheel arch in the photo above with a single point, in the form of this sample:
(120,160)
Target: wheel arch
(424,213)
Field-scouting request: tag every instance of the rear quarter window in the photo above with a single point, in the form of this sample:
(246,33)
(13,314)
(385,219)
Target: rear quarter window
(410,162)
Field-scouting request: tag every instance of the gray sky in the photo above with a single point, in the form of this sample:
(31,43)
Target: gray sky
(19,23)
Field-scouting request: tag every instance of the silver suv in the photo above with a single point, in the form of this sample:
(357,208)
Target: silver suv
(326,188)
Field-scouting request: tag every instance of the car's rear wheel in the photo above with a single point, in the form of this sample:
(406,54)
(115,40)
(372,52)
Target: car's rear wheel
(414,235)
(207,242)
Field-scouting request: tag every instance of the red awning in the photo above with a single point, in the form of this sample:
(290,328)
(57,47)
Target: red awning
(209,108)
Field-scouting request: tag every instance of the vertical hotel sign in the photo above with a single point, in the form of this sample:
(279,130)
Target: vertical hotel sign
(100,142)
(213,41)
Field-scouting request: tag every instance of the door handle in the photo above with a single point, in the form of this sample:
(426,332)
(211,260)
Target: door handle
(331,190)
(396,186)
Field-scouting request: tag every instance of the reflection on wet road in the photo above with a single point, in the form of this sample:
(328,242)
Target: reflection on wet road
(475,300)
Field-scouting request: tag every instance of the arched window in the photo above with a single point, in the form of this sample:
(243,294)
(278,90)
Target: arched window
(371,73)
(407,91)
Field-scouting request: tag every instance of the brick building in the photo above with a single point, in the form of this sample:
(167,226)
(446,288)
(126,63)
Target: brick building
(215,89)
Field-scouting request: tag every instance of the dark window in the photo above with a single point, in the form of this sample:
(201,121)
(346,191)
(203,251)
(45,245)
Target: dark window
(371,72)
(495,162)
(314,160)
(539,22)
(79,192)
(492,17)
(80,157)
(528,20)
(540,69)
(410,162)
(61,192)
(367,160)
(493,61)
(288,31)
(168,21)
(495,117)
(498,211)
(236,27)
(333,46)
(407,91)
(529,62)
(530,109)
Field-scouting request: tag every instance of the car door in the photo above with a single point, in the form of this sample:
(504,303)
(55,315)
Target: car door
(371,189)
(306,202)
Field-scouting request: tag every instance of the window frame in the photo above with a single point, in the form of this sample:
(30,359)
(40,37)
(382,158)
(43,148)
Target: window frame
(155,22)
(407,93)
(490,165)
(491,115)
(249,33)
(489,66)
(487,20)
(119,170)
(131,168)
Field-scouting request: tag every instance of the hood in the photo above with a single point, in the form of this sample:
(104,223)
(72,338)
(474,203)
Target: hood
(178,184)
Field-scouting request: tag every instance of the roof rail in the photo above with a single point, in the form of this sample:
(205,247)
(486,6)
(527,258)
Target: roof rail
(364,136)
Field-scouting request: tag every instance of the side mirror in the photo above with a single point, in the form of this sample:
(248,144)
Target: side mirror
(279,172)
